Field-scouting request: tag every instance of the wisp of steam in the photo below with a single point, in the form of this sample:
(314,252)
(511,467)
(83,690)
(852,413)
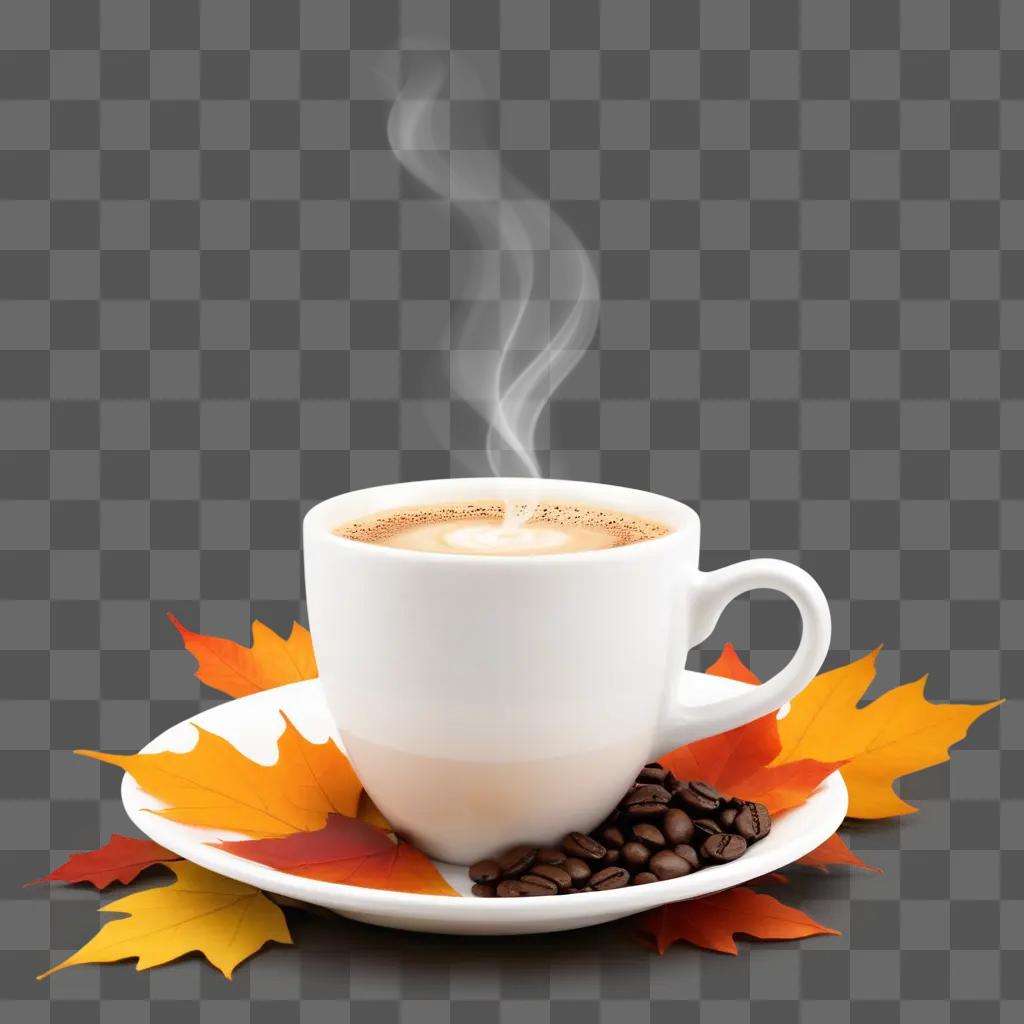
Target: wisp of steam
(508,374)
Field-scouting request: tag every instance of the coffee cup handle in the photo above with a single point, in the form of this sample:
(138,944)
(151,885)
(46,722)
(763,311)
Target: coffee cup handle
(709,593)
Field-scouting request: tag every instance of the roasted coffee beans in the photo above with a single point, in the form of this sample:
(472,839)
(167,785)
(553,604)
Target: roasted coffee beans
(537,885)
(576,844)
(550,855)
(752,822)
(677,826)
(578,870)
(514,862)
(561,877)
(661,829)
(485,871)
(667,864)
(722,847)
(698,798)
(610,878)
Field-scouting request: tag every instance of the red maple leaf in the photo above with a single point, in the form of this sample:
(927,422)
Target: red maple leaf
(350,851)
(121,860)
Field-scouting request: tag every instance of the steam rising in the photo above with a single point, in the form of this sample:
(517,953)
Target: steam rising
(507,371)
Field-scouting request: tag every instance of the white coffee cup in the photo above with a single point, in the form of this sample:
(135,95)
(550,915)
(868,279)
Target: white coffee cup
(487,700)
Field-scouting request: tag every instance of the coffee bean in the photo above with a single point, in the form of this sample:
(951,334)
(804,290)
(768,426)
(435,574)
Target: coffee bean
(723,847)
(578,870)
(698,797)
(677,826)
(706,790)
(556,874)
(485,871)
(645,794)
(610,878)
(708,825)
(635,855)
(666,864)
(583,888)
(652,773)
(727,816)
(611,837)
(537,885)
(611,857)
(671,783)
(550,855)
(650,835)
(510,888)
(517,861)
(644,878)
(702,829)
(646,810)
(480,889)
(753,822)
(688,853)
(576,844)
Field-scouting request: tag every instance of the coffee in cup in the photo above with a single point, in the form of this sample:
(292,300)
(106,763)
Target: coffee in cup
(491,527)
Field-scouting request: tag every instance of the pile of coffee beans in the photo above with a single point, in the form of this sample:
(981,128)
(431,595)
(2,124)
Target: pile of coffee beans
(662,828)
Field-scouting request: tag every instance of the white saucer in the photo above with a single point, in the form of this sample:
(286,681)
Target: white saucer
(253,724)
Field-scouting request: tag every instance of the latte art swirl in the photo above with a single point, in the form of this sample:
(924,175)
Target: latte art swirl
(505,540)
(480,528)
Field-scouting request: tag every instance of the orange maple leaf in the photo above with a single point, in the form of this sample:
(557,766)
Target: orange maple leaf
(834,851)
(216,786)
(238,671)
(781,787)
(122,859)
(730,665)
(739,762)
(899,733)
(729,758)
(348,851)
(711,921)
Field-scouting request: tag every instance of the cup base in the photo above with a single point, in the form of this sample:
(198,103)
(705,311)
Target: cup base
(462,811)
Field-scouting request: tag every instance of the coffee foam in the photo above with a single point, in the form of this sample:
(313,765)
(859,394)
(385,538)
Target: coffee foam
(479,527)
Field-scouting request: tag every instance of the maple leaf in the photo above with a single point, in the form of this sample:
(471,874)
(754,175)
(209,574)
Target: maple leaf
(728,758)
(739,762)
(834,851)
(781,787)
(216,786)
(711,921)
(351,852)
(239,671)
(224,920)
(121,860)
(899,733)
(370,813)
(729,665)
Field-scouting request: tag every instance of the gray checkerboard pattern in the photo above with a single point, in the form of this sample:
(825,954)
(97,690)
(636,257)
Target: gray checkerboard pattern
(221,300)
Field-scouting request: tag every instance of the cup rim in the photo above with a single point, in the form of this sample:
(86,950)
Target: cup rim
(680,517)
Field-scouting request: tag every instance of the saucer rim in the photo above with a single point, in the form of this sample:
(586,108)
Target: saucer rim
(825,810)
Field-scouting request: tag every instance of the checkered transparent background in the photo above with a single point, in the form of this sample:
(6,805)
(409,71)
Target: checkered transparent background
(221,300)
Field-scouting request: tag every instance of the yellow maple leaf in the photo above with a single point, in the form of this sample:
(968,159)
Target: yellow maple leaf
(224,920)
(238,671)
(899,733)
(216,786)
